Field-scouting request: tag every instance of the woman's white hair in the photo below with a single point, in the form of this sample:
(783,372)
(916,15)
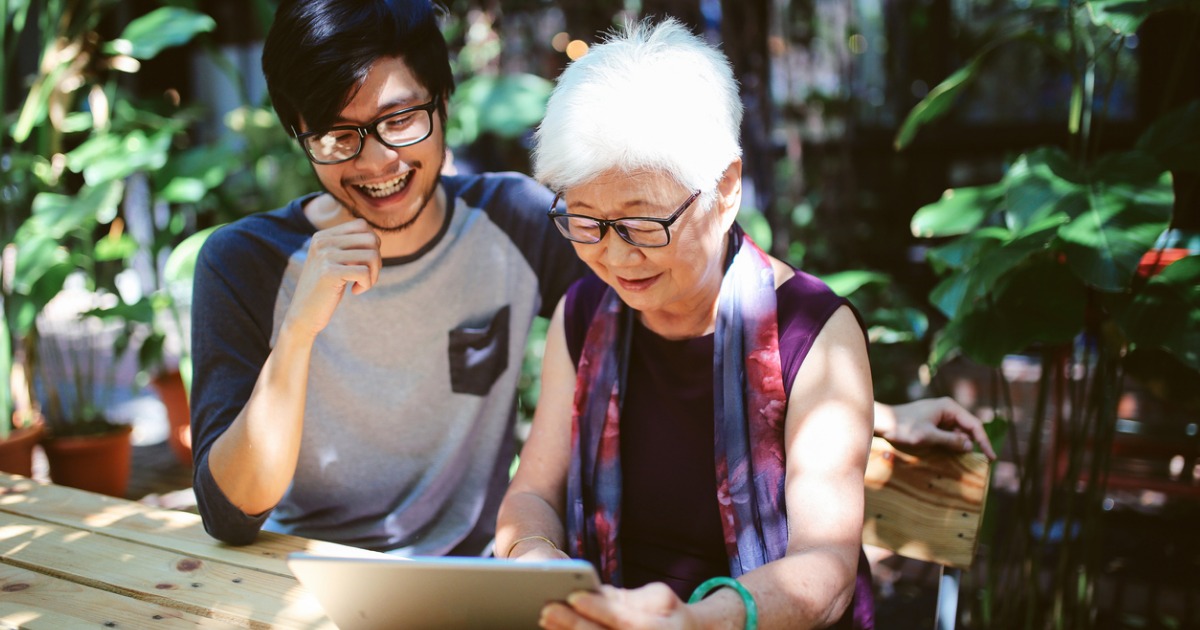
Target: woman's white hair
(654,98)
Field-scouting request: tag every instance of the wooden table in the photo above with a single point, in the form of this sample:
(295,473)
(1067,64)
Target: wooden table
(70,559)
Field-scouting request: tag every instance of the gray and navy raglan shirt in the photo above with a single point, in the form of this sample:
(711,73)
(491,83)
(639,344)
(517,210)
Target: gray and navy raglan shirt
(408,425)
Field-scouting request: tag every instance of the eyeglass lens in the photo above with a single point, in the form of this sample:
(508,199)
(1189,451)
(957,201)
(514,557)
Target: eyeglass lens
(397,130)
(634,231)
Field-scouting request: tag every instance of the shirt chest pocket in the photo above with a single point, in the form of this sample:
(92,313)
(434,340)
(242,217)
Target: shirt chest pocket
(479,354)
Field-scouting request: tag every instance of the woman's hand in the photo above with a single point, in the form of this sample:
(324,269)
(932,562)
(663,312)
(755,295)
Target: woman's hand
(651,606)
(939,422)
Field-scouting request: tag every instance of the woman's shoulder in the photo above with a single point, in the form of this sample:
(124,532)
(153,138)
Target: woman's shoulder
(805,304)
(579,308)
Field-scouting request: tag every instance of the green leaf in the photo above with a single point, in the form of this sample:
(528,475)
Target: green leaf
(55,216)
(978,278)
(507,105)
(936,103)
(947,344)
(1041,301)
(108,157)
(1174,139)
(897,325)
(181,263)
(1126,205)
(1166,314)
(162,28)
(966,250)
(756,227)
(141,311)
(845,283)
(1035,185)
(1127,16)
(959,211)
(110,248)
(35,257)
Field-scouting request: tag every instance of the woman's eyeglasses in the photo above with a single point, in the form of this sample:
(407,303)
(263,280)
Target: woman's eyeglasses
(637,231)
(344,142)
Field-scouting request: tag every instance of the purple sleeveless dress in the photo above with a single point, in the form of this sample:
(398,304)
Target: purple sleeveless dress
(671,528)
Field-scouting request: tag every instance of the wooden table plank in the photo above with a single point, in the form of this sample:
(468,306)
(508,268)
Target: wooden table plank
(166,529)
(35,601)
(228,593)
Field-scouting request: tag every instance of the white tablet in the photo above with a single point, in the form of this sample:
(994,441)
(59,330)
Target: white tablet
(430,592)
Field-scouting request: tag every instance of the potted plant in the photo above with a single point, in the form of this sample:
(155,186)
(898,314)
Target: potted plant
(1045,262)
(89,144)
(78,360)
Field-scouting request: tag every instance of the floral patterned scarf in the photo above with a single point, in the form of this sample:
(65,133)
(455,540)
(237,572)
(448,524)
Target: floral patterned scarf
(749,403)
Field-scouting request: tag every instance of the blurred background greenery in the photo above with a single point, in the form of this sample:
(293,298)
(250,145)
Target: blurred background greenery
(936,161)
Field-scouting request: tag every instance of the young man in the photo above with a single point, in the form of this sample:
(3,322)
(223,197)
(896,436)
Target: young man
(356,352)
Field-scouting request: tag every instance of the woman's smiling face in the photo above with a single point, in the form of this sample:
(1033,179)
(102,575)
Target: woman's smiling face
(665,284)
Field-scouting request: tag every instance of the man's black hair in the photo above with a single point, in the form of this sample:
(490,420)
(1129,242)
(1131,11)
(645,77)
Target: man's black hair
(318,53)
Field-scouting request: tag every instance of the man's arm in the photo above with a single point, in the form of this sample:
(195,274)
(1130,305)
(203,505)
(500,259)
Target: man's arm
(248,443)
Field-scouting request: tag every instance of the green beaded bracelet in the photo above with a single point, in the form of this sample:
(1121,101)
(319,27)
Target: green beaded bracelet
(747,599)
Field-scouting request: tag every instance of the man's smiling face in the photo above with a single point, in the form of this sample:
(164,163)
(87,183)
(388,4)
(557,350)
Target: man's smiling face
(388,187)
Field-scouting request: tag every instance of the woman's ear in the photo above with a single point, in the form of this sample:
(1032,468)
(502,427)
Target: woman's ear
(729,193)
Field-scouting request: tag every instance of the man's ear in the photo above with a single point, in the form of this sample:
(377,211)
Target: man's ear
(729,193)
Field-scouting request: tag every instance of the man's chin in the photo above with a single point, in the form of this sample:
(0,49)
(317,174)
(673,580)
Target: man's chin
(391,227)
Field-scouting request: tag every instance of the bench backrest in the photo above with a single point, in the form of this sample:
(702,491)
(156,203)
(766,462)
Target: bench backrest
(925,506)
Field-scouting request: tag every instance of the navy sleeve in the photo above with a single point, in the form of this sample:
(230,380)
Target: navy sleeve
(518,205)
(237,279)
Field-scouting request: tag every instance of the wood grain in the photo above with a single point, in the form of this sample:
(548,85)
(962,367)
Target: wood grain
(34,601)
(925,506)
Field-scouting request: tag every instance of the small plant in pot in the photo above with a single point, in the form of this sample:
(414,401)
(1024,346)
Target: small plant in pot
(78,362)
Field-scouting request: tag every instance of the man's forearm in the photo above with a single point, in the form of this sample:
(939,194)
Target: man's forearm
(254,460)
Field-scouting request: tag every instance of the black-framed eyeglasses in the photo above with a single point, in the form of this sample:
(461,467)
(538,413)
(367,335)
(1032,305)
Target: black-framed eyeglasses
(344,142)
(637,231)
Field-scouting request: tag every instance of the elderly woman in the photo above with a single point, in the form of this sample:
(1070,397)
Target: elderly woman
(705,409)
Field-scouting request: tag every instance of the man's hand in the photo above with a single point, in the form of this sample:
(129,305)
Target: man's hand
(937,422)
(340,256)
(651,606)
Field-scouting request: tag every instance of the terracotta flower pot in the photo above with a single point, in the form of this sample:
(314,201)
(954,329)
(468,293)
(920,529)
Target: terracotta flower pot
(99,463)
(16,452)
(171,392)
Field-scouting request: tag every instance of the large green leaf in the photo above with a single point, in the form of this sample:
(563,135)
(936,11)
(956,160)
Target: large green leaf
(1126,205)
(1167,313)
(1174,139)
(980,273)
(937,102)
(964,251)
(1035,186)
(106,157)
(55,216)
(181,263)
(845,283)
(959,211)
(1127,16)
(162,28)
(1039,302)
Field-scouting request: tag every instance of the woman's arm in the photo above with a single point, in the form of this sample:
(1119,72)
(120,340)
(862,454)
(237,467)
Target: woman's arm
(531,516)
(828,441)
(827,437)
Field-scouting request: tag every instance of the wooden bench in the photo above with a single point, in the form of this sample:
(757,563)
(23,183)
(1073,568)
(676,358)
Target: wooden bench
(927,507)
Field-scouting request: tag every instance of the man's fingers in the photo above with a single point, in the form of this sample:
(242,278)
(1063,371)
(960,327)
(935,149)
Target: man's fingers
(968,423)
